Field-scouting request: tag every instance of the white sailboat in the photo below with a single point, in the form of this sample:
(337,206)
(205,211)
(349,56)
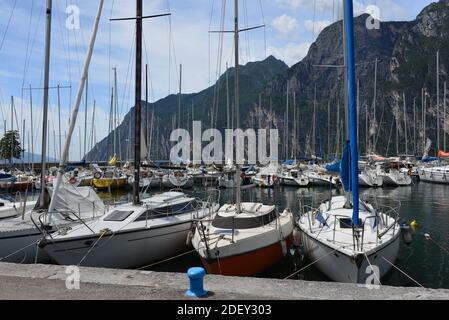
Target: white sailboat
(19,236)
(242,239)
(137,233)
(294,178)
(10,208)
(350,242)
(437,174)
(370,178)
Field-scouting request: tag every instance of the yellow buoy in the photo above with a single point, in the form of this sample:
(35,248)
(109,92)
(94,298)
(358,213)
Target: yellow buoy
(414,224)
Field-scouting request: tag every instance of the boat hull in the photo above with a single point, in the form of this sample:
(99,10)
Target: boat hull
(348,269)
(397,182)
(249,263)
(130,249)
(299,182)
(18,247)
(104,184)
(434,176)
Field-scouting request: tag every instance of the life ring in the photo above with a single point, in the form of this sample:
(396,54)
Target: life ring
(97,175)
(72,180)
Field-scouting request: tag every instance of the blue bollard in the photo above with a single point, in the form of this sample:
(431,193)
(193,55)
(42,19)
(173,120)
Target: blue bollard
(196,276)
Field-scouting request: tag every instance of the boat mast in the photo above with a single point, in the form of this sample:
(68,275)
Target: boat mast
(46,85)
(405,125)
(444,115)
(85,117)
(375,105)
(59,122)
(179,96)
(227,98)
(138,95)
(438,101)
(147,139)
(114,111)
(64,157)
(12,130)
(32,131)
(353,110)
(237,97)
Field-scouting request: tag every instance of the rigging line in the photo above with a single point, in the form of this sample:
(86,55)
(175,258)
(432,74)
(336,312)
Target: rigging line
(372,269)
(61,33)
(130,64)
(403,272)
(28,43)
(172,42)
(8,24)
(218,67)
(264,29)
(166,260)
(209,40)
(110,46)
(150,82)
(247,35)
(312,263)
(28,58)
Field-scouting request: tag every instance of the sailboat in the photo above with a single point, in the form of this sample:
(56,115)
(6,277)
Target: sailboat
(136,233)
(347,239)
(242,239)
(19,236)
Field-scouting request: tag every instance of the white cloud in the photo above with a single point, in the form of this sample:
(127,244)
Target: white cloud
(285,24)
(308,4)
(317,26)
(291,53)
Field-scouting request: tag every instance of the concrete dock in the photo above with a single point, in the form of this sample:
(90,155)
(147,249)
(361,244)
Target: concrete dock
(50,282)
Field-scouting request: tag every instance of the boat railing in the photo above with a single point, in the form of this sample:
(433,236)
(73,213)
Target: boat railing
(363,230)
(335,228)
(310,211)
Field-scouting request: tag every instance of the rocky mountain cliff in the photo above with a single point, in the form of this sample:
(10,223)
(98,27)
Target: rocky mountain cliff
(406,54)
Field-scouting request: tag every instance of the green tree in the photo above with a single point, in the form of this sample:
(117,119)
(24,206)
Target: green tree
(10,146)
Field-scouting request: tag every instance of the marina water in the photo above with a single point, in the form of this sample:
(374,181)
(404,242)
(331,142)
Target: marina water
(426,261)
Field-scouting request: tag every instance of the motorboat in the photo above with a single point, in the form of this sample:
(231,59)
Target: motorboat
(129,235)
(243,242)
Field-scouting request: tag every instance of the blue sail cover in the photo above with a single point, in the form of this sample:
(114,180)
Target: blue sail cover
(345,168)
(349,13)
(334,167)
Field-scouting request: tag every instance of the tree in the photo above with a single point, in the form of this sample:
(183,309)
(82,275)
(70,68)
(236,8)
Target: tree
(10,146)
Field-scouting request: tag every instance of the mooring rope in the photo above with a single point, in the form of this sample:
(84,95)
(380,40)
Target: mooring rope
(377,278)
(166,260)
(310,264)
(17,251)
(403,272)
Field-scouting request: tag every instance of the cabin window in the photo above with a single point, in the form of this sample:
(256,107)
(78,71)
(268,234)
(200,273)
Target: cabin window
(243,223)
(118,215)
(346,223)
(169,210)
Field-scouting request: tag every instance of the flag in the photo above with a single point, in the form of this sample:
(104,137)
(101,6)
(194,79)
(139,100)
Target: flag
(113,161)
(319,217)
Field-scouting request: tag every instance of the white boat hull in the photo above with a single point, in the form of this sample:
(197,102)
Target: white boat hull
(130,249)
(434,175)
(397,180)
(21,246)
(294,182)
(340,267)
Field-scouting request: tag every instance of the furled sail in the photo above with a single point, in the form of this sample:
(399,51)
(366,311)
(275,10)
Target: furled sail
(345,168)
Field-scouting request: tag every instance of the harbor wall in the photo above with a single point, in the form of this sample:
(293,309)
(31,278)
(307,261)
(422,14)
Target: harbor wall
(58,282)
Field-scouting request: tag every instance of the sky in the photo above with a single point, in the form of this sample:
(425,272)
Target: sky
(183,38)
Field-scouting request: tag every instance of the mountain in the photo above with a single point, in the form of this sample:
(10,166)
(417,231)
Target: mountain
(406,55)
(253,79)
(29,157)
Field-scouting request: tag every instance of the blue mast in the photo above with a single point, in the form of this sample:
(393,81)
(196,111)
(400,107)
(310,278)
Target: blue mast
(352,110)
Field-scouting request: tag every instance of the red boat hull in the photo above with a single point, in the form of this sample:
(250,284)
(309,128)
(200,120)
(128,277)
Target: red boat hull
(18,186)
(249,263)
